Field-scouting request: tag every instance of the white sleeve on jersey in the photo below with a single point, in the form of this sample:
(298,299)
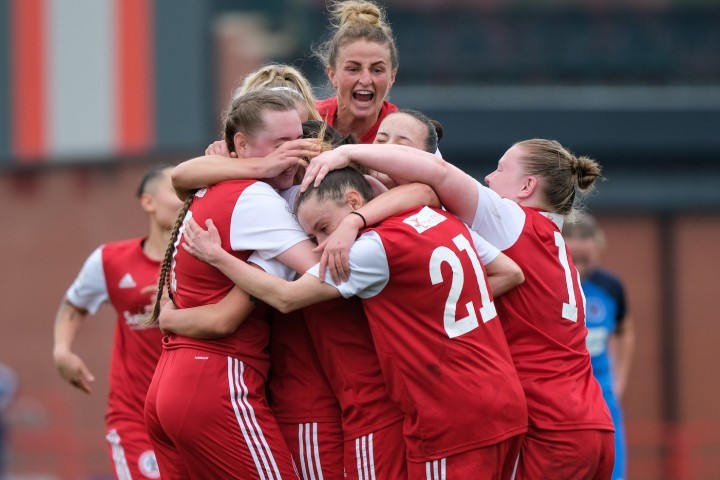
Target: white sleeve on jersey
(498,220)
(273,267)
(262,221)
(485,250)
(369,271)
(89,290)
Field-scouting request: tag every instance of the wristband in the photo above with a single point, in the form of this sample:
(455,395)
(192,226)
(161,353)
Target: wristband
(361,216)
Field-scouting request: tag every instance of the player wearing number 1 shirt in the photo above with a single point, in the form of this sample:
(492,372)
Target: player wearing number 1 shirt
(535,184)
(442,350)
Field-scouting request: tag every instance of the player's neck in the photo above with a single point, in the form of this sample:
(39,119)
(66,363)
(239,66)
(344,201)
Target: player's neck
(156,243)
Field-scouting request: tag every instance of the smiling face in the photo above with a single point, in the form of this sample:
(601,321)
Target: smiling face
(362,76)
(402,129)
(278,127)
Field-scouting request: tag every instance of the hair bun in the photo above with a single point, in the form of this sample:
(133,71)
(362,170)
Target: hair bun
(354,11)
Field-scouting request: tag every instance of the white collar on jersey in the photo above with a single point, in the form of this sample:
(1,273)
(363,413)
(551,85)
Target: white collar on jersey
(556,218)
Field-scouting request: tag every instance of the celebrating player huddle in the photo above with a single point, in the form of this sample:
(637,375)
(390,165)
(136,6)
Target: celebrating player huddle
(338,301)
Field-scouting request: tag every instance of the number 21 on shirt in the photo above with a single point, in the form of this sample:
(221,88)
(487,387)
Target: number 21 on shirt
(455,328)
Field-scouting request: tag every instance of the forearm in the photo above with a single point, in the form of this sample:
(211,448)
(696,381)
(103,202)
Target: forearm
(398,200)
(283,295)
(208,322)
(503,275)
(623,349)
(211,169)
(68,321)
(398,161)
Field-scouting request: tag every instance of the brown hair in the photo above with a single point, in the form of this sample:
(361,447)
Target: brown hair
(352,20)
(284,79)
(336,184)
(564,174)
(433,128)
(245,113)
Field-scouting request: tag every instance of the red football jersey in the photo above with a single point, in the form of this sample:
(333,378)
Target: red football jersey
(544,318)
(342,339)
(441,346)
(118,272)
(249,215)
(328,112)
(299,391)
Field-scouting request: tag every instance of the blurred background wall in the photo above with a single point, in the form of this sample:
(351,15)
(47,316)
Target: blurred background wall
(93,92)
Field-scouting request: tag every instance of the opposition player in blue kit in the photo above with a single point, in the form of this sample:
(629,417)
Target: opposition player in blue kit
(610,338)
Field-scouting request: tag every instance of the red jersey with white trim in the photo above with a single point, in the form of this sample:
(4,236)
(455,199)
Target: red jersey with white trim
(119,272)
(344,344)
(441,346)
(299,391)
(249,215)
(328,111)
(544,318)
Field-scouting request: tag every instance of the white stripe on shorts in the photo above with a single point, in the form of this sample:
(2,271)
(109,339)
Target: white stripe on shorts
(435,470)
(365,457)
(245,415)
(118,455)
(309,451)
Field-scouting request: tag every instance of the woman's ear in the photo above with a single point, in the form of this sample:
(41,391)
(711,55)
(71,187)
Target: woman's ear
(528,188)
(147,202)
(354,199)
(331,76)
(240,143)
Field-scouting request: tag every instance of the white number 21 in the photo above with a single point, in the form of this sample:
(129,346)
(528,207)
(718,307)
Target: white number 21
(440,255)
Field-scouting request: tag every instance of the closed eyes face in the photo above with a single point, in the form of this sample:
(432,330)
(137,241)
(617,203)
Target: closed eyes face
(279,127)
(402,129)
(319,218)
(509,177)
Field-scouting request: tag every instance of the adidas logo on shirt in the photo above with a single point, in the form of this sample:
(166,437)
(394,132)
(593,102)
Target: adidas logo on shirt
(127,281)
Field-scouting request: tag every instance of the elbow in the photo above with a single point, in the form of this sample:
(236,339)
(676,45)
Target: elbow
(225,327)
(517,277)
(287,303)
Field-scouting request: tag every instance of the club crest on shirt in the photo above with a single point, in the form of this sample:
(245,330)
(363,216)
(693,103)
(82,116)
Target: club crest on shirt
(425,219)
(148,464)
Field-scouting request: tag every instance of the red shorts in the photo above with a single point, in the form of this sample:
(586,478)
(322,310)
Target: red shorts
(576,454)
(130,450)
(207,417)
(378,455)
(316,448)
(494,462)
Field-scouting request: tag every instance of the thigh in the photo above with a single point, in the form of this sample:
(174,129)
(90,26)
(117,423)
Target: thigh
(170,462)
(494,462)
(316,448)
(559,455)
(213,409)
(130,450)
(380,454)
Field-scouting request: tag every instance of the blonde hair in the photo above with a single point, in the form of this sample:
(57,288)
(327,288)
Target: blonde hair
(564,174)
(352,20)
(283,79)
